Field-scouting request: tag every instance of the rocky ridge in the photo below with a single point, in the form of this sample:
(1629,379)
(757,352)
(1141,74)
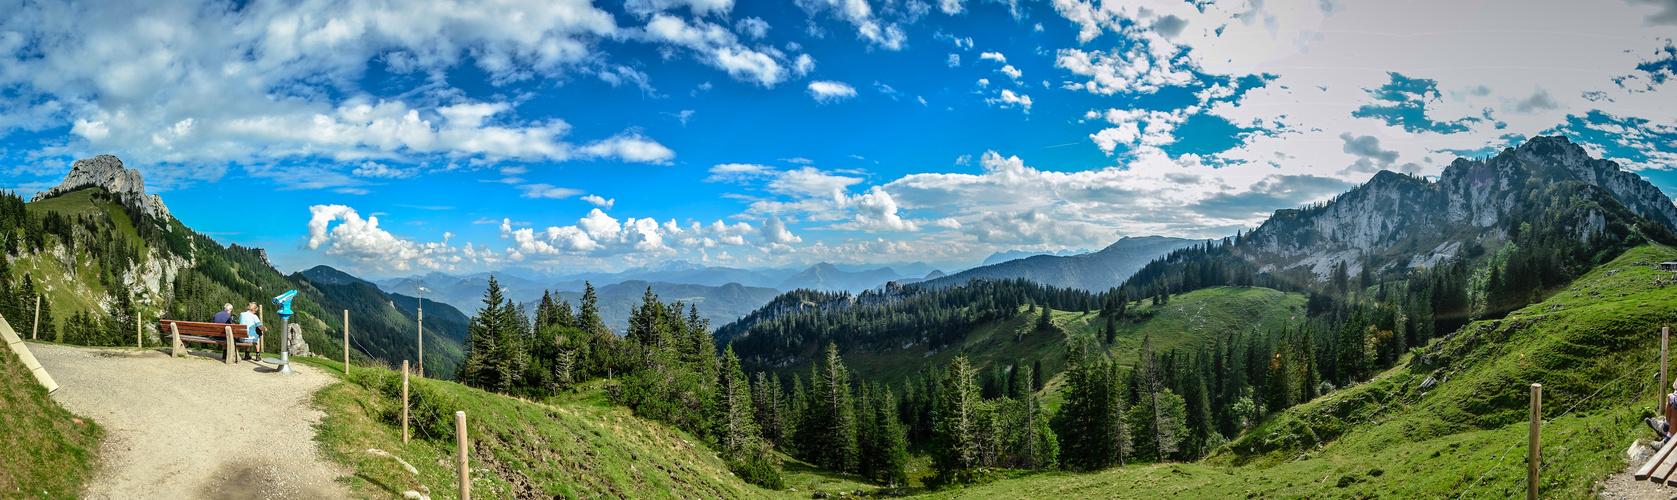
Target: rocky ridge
(106,171)
(1395,220)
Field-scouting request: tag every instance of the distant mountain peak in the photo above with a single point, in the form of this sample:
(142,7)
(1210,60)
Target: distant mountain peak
(106,171)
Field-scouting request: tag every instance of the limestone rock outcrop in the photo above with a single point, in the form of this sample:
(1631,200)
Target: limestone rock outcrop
(107,172)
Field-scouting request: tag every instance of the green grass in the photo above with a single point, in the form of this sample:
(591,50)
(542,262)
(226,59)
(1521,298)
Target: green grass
(576,446)
(44,453)
(1389,438)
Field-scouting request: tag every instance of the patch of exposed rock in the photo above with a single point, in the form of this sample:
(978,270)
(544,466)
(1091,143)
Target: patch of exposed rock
(106,171)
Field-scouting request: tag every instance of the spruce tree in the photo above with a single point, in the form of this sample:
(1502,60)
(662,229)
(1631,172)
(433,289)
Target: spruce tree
(1111,331)
(957,447)
(1045,322)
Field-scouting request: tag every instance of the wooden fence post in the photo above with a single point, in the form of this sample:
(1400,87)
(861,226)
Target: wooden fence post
(1534,456)
(35,334)
(404,371)
(138,341)
(404,401)
(465,472)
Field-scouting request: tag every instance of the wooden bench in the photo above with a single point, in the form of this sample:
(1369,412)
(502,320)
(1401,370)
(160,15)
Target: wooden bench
(207,333)
(1659,468)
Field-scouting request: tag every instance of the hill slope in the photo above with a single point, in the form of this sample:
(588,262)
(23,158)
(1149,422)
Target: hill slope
(41,448)
(1594,347)
(1090,271)
(580,447)
(1189,320)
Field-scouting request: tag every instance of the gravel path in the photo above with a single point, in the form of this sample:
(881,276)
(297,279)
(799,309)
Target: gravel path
(1624,486)
(195,427)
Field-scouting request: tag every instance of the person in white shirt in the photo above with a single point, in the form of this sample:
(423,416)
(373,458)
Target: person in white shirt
(253,324)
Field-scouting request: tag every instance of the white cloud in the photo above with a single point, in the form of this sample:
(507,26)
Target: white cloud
(993,56)
(754,27)
(631,147)
(195,87)
(774,231)
(859,14)
(803,65)
(1009,99)
(827,91)
(951,7)
(1138,128)
(1133,71)
(737,172)
(381,171)
(600,235)
(719,48)
(363,243)
(810,182)
(699,7)
(954,60)
(598,201)
(1011,72)
(548,191)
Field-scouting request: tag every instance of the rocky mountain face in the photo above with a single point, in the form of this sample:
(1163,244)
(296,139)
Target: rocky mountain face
(106,171)
(1397,221)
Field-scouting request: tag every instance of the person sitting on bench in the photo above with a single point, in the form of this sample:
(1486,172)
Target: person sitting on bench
(253,325)
(1662,424)
(225,315)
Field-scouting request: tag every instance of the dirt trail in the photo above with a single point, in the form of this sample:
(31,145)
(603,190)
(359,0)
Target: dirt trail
(195,427)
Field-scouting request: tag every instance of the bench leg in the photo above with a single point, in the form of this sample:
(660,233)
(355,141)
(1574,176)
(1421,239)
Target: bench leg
(230,346)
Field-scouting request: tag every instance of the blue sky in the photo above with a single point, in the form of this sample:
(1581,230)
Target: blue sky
(392,138)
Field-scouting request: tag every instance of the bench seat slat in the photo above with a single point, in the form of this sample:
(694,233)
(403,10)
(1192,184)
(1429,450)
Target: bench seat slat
(1663,470)
(1653,462)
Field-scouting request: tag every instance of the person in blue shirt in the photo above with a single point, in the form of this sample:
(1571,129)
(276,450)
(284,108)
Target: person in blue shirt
(253,324)
(225,315)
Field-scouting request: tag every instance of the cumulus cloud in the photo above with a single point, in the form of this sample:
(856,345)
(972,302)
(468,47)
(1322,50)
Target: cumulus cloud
(339,231)
(828,91)
(1137,128)
(1136,70)
(1010,99)
(631,147)
(601,235)
(993,56)
(598,201)
(774,232)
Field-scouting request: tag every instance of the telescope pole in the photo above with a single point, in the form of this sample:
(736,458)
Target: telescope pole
(285,349)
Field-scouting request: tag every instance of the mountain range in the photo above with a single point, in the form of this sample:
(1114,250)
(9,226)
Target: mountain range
(1089,271)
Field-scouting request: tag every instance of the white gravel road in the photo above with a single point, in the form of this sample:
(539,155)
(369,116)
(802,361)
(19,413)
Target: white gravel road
(194,427)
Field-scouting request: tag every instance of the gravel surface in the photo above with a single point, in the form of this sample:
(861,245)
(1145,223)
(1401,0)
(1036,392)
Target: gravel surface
(194,427)
(1625,486)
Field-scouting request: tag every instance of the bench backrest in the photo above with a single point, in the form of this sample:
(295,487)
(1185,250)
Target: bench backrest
(202,329)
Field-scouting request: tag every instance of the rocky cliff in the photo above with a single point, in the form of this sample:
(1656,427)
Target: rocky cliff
(106,171)
(1397,221)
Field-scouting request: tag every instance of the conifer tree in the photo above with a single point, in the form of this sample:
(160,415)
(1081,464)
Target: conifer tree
(958,446)
(1045,321)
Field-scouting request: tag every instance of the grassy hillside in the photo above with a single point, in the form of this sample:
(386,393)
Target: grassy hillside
(576,447)
(1593,345)
(44,452)
(1189,319)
